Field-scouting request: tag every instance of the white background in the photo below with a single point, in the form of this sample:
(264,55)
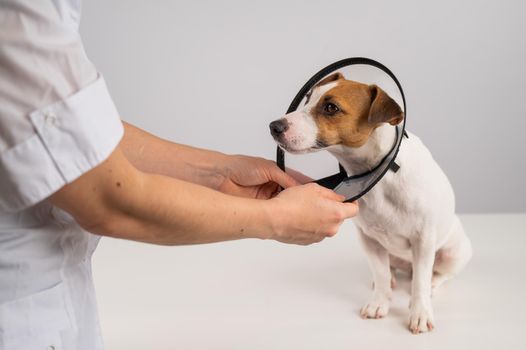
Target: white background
(215,73)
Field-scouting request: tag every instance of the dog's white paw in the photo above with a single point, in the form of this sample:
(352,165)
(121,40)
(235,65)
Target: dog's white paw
(377,307)
(421,316)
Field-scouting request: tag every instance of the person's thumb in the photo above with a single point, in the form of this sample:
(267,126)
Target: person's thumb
(330,194)
(281,178)
(350,209)
(299,177)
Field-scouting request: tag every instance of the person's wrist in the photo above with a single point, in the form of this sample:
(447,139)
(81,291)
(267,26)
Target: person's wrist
(273,224)
(210,168)
(224,164)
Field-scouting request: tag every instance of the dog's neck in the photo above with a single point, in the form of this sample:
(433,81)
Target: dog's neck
(364,158)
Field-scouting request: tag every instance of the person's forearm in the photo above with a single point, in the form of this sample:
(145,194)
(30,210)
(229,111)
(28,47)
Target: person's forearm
(168,211)
(115,199)
(152,154)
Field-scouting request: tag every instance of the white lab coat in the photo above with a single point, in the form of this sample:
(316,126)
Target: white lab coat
(57,121)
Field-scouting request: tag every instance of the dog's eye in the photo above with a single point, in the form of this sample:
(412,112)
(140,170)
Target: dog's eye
(331,108)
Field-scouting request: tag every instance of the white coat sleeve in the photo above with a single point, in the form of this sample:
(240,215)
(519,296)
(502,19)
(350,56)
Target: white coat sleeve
(57,118)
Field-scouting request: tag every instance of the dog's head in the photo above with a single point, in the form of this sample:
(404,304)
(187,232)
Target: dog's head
(337,112)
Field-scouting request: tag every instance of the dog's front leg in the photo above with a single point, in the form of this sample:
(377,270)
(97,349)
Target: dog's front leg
(378,258)
(421,311)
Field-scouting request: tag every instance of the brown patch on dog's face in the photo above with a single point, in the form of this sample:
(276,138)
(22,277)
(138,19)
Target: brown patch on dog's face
(348,113)
(330,79)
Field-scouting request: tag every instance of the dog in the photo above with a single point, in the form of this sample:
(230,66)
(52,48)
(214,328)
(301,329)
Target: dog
(407,221)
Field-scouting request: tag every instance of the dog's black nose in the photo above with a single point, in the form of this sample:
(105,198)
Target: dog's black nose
(278,127)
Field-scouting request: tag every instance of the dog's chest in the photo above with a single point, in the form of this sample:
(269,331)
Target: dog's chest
(384,217)
(416,200)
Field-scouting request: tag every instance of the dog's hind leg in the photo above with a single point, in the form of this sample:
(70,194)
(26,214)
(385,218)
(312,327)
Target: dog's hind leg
(452,257)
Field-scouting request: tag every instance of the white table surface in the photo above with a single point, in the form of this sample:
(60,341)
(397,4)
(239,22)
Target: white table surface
(264,295)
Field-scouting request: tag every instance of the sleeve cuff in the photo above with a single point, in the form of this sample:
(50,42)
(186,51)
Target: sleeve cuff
(72,137)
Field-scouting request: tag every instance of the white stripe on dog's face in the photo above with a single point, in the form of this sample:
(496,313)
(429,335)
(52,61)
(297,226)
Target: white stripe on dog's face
(317,93)
(302,133)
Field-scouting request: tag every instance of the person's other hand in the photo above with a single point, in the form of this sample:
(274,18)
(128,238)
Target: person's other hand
(307,214)
(254,177)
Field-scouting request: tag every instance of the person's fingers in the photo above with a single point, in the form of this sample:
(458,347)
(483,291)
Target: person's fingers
(267,191)
(280,177)
(350,209)
(301,178)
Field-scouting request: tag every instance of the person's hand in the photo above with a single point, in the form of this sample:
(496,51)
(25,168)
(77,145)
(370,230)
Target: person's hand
(307,214)
(254,177)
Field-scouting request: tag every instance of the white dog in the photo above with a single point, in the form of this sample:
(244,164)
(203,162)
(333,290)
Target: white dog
(407,220)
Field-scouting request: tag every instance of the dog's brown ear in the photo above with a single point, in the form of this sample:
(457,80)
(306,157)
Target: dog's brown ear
(331,78)
(383,108)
